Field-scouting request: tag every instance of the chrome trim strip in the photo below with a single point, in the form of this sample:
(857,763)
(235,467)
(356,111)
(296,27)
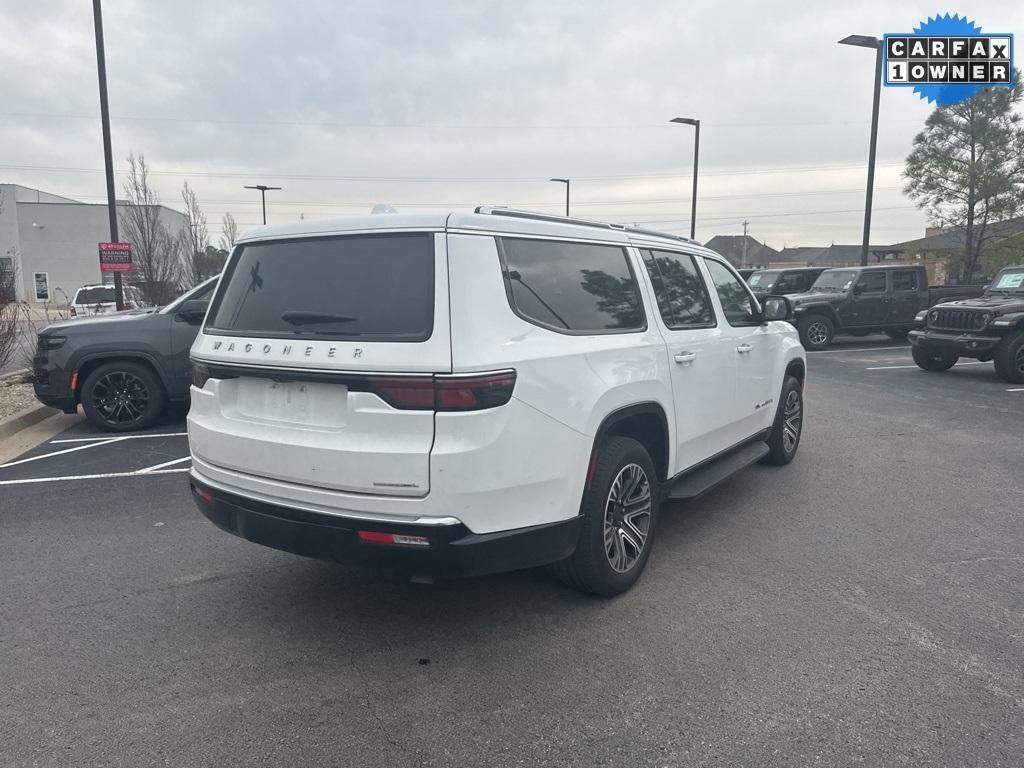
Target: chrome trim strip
(366,517)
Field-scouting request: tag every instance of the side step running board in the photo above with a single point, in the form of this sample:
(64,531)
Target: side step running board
(704,478)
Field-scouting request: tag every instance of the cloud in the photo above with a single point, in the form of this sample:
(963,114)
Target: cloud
(484,90)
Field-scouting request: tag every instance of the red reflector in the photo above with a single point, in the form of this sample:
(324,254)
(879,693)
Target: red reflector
(378,537)
(204,495)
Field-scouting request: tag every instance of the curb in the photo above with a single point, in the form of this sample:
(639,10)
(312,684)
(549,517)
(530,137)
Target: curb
(19,421)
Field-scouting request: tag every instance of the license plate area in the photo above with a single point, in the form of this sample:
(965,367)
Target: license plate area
(296,403)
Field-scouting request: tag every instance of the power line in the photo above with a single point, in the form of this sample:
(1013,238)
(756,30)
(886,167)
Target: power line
(446,179)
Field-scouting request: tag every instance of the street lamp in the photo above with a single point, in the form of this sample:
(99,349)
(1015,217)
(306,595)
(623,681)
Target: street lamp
(866,41)
(566,182)
(263,196)
(696,152)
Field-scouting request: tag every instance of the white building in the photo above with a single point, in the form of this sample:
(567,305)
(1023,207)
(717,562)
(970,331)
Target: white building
(52,241)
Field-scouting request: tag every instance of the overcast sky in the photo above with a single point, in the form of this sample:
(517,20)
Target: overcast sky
(452,103)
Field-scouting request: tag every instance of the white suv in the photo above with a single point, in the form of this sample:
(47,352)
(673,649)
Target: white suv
(460,394)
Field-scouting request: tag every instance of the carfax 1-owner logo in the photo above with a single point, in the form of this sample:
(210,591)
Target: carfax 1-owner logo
(948,59)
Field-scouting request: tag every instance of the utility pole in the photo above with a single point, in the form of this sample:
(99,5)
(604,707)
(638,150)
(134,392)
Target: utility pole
(566,182)
(108,160)
(263,188)
(743,263)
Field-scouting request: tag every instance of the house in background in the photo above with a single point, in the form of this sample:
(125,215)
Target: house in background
(743,251)
(1004,245)
(51,241)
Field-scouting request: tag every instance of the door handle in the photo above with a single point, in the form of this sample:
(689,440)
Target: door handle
(685,357)
(744,349)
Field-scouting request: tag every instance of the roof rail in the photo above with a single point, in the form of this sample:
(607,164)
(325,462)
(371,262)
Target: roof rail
(494,210)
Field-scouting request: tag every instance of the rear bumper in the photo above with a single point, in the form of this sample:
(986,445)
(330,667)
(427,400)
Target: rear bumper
(960,344)
(453,551)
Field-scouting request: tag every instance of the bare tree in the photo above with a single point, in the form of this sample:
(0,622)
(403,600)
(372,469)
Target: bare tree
(194,239)
(156,253)
(229,232)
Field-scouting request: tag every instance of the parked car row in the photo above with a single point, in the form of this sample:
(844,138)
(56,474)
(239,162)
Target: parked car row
(856,300)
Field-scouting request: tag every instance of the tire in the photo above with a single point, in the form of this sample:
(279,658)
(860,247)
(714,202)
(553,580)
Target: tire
(933,361)
(784,439)
(896,335)
(816,331)
(608,560)
(122,396)
(1009,358)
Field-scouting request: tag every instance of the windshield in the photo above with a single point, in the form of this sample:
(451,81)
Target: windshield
(372,287)
(764,279)
(1009,281)
(103,294)
(834,280)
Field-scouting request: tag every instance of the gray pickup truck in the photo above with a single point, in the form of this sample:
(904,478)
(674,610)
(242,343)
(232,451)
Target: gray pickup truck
(863,300)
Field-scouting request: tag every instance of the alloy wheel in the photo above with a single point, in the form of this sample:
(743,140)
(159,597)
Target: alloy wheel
(817,333)
(120,398)
(792,416)
(627,517)
(1018,360)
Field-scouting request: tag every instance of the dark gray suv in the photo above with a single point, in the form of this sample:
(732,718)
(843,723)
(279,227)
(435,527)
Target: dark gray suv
(122,368)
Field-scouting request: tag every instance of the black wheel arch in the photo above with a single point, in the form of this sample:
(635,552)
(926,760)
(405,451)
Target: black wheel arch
(820,309)
(797,369)
(90,362)
(646,423)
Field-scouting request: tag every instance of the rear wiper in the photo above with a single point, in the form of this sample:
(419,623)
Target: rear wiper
(297,317)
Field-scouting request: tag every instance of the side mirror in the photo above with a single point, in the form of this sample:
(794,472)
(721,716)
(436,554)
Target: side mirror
(776,308)
(858,289)
(192,311)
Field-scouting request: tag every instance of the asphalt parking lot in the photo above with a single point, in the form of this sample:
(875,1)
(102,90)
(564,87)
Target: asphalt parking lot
(863,606)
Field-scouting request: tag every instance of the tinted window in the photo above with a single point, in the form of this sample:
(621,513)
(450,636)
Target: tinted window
(763,280)
(368,287)
(737,303)
(904,280)
(200,293)
(682,297)
(575,287)
(873,282)
(101,295)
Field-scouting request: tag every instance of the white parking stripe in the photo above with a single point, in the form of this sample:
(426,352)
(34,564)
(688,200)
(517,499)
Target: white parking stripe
(165,464)
(1021,389)
(895,367)
(136,473)
(107,441)
(108,437)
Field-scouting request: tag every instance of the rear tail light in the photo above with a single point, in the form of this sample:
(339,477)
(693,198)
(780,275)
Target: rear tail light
(445,392)
(200,373)
(400,539)
(72,312)
(129,305)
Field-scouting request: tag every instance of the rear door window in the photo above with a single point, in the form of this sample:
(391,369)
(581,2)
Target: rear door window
(682,296)
(577,288)
(356,287)
(904,280)
(872,282)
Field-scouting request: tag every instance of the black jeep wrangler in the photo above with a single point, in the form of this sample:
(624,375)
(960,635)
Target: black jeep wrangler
(990,327)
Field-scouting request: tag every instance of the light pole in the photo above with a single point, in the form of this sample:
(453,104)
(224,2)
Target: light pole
(696,153)
(566,182)
(866,41)
(108,160)
(263,188)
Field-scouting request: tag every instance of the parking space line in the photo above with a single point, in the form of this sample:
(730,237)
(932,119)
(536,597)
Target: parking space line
(895,367)
(1019,389)
(106,441)
(156,467)
(101,476)
(107,437)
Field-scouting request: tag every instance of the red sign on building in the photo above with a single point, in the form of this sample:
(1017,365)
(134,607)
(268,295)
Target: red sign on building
(115,257)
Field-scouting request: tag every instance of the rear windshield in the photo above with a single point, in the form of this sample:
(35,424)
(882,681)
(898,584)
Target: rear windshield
(101,295)
(367,287)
